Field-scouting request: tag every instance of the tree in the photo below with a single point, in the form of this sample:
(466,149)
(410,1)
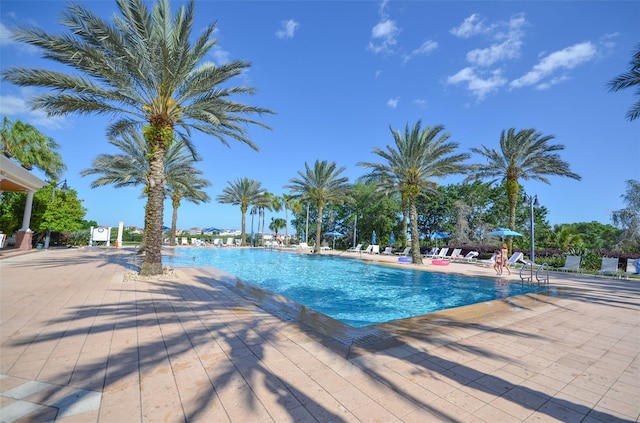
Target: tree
(320,185)
(31,148)
(146,71)
(242,192)
(276,224)
(290,203)
(131,168)
(630,79)
(419,155)
(526,154)
(628,219)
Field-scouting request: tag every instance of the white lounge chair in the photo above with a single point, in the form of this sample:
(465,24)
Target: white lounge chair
(441,254)
(375,249)
(633,267)
(185,240)
(304,246)
(571,264)
(432,252)
(368,249)
(355,249)
(405,252)
(470,256)
(455,254)
(387,251)
(489,262)
(230,242)
(515,258)
(609,266)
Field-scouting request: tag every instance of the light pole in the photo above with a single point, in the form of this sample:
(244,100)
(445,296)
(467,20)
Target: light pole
(355,231)
(306,233)
(64,188)
(531,202)
(252,213)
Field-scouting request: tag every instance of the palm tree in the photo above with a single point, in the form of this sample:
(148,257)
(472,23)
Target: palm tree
(31,148)
(131,168)
(276,224)
(630,79)
(419,155)
(147,71)
(290,203)
(242,192)
(321,185)
(526,155)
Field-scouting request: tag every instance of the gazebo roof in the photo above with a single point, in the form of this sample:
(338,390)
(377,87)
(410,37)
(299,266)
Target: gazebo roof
(15,178)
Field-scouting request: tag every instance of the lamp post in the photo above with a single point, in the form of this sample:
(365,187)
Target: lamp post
(252,213)
(64,188)
(306,233)
(531,202)
(355,231)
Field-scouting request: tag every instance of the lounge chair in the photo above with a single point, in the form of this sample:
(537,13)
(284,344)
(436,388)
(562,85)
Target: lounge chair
(217,242)
(230,242)
(185,240)
(455,254)
(325,246)
(633,267)
(405,252)
(432,252)
(489,262)
(609,266)
(515,258)
(355,249)
(368,249)
(441,254)
(469,257)
(387,251)
(304,246)
(571,264)
(375,249)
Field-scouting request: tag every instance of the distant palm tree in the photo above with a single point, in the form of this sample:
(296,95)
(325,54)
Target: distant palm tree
(242,192)
(525,154)
(31,148)
(419,156)
(148,71)
(290,203)
(630,79)
(321,185)
(131,168)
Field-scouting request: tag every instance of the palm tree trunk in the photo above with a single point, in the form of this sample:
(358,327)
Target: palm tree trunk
(316,247)
(154,210)
(512,199)
(174,224)
(415,237)
(243,225)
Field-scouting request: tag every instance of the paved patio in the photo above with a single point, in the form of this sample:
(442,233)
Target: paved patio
(83,341)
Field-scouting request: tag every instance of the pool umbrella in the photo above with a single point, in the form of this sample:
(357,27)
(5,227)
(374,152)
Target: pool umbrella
(439,235)
(502,232)
(392,239)
(373,238)
(334,235)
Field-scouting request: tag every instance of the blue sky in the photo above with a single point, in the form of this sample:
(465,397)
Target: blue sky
(339,74)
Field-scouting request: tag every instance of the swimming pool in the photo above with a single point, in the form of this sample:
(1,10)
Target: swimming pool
(352,291)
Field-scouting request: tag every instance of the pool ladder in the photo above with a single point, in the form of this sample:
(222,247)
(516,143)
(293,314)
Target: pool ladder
(541,273)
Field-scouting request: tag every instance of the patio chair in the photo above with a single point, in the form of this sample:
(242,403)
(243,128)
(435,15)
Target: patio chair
(516,258)
(387,251)
(455,254)
(633,267)
(355,249)
(185,240)
(368,249)
(375,249)
(469,257)
(488,262)
(441,254)
(571,264)
(405,252)
(609,266)
(432,252)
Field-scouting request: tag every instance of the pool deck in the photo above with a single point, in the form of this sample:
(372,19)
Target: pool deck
(83,340)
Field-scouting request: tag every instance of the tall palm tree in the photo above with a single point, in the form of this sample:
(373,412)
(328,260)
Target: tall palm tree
(147,71)
(409,167)
(242,192)
(630,79)
(525,154)
(131,168)
(290,203)
(321,185)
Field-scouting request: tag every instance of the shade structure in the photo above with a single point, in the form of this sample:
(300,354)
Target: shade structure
(392,239)
(334,235)
(504,232)
(373,237)
(212,229)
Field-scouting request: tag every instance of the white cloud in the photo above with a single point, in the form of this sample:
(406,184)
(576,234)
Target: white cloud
(393,102)
(567,58)
(424,49)
(18,108)
(383,36)
(478,86)
(5,36)
(220,56)
(473,25)
(508,47)
(420,102)
(287,29)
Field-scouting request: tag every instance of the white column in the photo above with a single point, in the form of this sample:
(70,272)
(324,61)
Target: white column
(26,217)
(120,231)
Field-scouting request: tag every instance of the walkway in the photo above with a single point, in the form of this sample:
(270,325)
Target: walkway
(80,342)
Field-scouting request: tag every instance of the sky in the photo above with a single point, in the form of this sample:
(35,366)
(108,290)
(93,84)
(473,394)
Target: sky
(340,75)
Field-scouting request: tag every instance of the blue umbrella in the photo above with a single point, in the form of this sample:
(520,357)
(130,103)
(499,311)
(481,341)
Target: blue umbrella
(373,238)
(504,232)
(439,235)
(392,239)
(334,234)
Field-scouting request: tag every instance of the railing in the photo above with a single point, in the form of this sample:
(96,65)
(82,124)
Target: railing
(541,272)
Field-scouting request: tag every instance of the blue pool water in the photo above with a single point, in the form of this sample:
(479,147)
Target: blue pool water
(351,291)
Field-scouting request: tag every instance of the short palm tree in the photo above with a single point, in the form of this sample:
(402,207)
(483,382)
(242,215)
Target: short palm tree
(130,168)
(628,80)
(525,154)
(321,185)
(242,192)
(147,71)
(409,167)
